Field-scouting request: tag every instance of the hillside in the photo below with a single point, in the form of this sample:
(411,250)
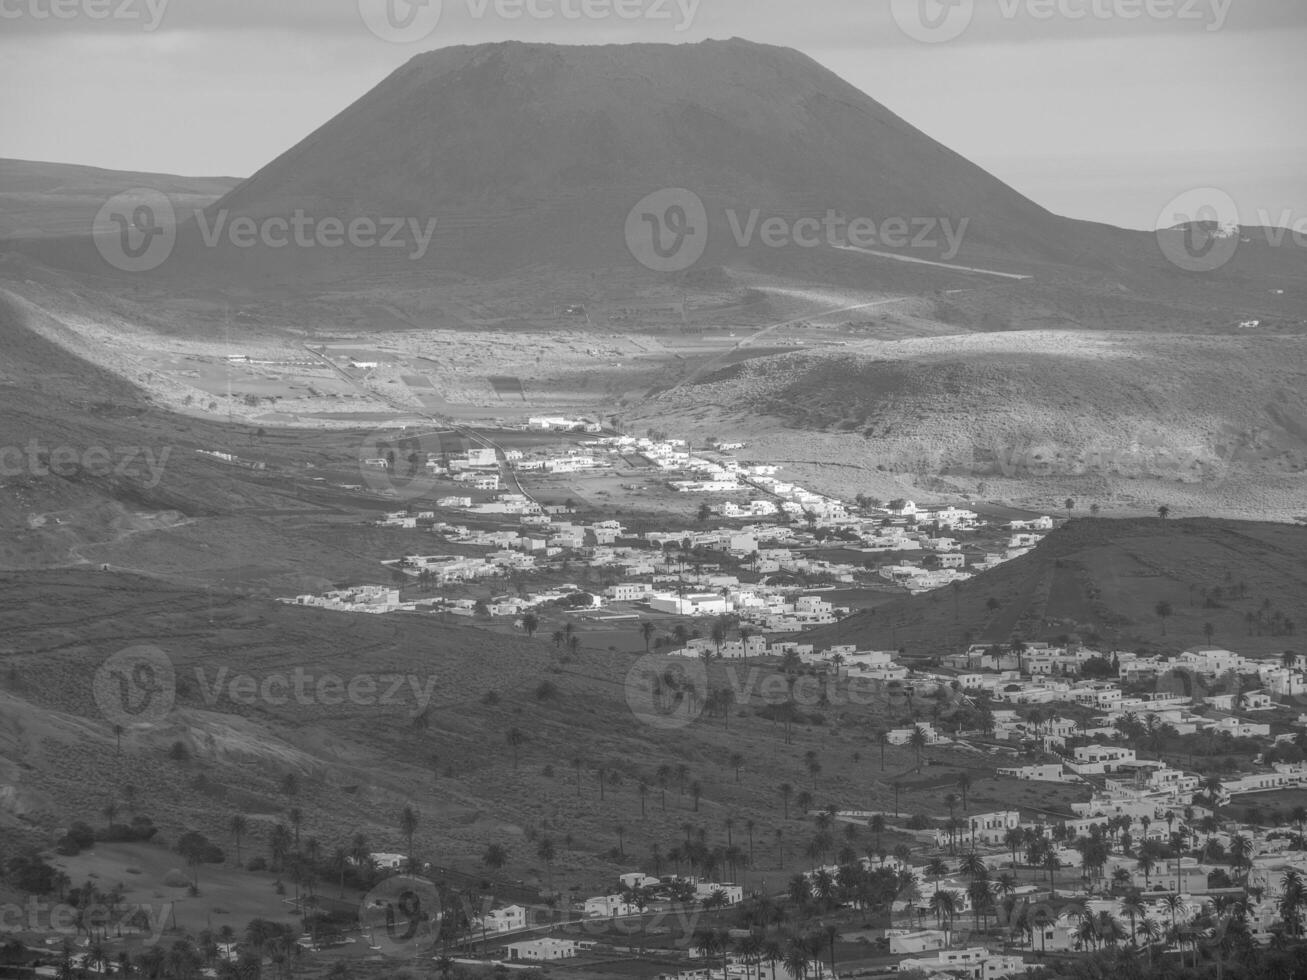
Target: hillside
(1214,423)
(1104,578)
(48,200)
(358,764)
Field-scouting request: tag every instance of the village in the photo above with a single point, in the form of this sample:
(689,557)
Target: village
(783,541)
(1152,856)
(1166,845)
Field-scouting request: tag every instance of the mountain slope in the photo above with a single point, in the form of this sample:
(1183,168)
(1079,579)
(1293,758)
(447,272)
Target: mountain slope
(493,132)
(1210,423)
(1102,579)
(43,200)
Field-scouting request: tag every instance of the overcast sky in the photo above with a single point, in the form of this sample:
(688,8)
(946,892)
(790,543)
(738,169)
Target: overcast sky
(1099,109)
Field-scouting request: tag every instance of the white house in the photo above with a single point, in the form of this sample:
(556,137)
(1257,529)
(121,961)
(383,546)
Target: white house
(546,949)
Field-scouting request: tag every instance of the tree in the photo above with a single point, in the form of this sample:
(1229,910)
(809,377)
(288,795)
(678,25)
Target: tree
(647,630)
(718,636)
(814,767)
(515,739)
(1164,612)
(546,852)
(495,856)
(1070,505)
(737,763)
(1164,512)
(964,784)
(918,740)
(882,739)
(408,825)
(530,623)
(238,825)
(1052,864)
(1209,631)
(194,847)
(696,792)
(786,791)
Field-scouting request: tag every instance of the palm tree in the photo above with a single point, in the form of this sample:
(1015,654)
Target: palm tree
(945,906)
(515,739)
(796,959)
(1164,512)
(786,791)
(1146,863)
(918,740)
(662,776)
(882,739)
(1150,932)
(647,630)
(936,869)
(737,763)
(1174,905)
(1164,611)
(964,784)
(546,852)
(1053,864)
(408,825)
(238,825)
(1132,906)
(495,856)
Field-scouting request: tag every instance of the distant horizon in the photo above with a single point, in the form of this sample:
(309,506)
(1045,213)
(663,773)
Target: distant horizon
(1094,119)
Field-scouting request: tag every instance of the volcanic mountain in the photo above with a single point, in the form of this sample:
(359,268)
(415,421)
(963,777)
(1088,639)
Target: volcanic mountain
(534,154)
(567,139)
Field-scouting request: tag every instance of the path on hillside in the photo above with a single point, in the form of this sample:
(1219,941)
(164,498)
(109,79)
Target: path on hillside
(712,362)
(470,434)
(931,262)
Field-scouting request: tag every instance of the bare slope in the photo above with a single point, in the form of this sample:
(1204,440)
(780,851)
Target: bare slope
(1193,421)
(42,200)
(1104,578)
